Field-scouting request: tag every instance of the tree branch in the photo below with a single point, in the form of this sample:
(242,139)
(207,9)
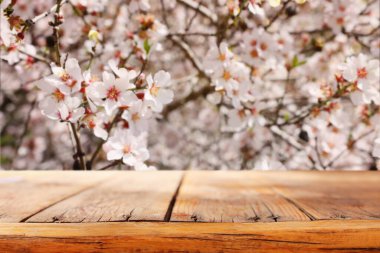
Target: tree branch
(200,8)
(79,152)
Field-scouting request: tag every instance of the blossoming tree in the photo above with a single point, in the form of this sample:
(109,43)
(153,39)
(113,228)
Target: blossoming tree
(227,84)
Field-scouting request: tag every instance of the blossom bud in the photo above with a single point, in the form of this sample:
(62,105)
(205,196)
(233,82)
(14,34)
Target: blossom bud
(20,35)
(274,3)
(94,35)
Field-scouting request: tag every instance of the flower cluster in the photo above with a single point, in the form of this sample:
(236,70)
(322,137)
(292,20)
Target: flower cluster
(229,76)
(363,74)
(71,95)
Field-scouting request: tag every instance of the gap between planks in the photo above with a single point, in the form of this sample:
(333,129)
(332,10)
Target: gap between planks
(266,184)
(130,196)
(309,215)
(233,196)
(169,212)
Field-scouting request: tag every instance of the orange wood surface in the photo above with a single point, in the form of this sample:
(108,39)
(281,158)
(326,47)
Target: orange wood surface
(25,193)
(314,236)
(235,196)
(126,197)
(192,211)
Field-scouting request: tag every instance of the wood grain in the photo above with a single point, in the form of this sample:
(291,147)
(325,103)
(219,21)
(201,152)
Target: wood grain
(23,193)
(331,195)
(231,196)
(129,196)
(314,236)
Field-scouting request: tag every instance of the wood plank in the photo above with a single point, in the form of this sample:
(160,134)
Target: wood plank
(23,193)
(231,196)
(331,195)
(129,196)
(314,236)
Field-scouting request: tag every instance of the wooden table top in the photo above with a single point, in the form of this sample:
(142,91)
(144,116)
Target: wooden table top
(203,211)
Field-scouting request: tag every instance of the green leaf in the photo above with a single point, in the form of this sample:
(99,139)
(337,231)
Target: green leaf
(7,140)
(286,117)
(147,47)
(301,63)
(296,63)
(5,160)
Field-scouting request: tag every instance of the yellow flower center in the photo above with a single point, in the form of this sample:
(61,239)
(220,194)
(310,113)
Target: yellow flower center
(127,149)
(135,117)
(254,53)
(58,95)
(113,93)
(263,46)
(154,90)
(340,21)
(222,57)
(226,75)
(64,77)
(362,73)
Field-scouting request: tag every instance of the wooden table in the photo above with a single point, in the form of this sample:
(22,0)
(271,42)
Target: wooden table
(193,211)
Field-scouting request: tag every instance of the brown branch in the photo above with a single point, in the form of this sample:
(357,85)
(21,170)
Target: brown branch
(199,8)
(196,12)
(47,13)
(26,125)
(351,145)
(183,101)
(100,145)
(56,55)
(117,162)
(79,152)
(206,34)
(189,53)
(197,64)
(277,15)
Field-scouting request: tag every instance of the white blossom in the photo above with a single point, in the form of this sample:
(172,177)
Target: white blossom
(157,93)
(129,148)
(113,92)
(364,74)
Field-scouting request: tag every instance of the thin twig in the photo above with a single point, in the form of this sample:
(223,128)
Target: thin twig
(26,125)
(206,34)
(277,15)
(196,12)
(79,152)
(183,101)
(110,165)
(100,145)
(199,8)
(56,23)
(47,13)
(352,144)
(189,53)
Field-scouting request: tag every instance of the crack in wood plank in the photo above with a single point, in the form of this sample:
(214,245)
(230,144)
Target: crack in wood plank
(35,190)
(255,218)
(169,211)
(272,216)
(128,216)
(56,202)
(303,210)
